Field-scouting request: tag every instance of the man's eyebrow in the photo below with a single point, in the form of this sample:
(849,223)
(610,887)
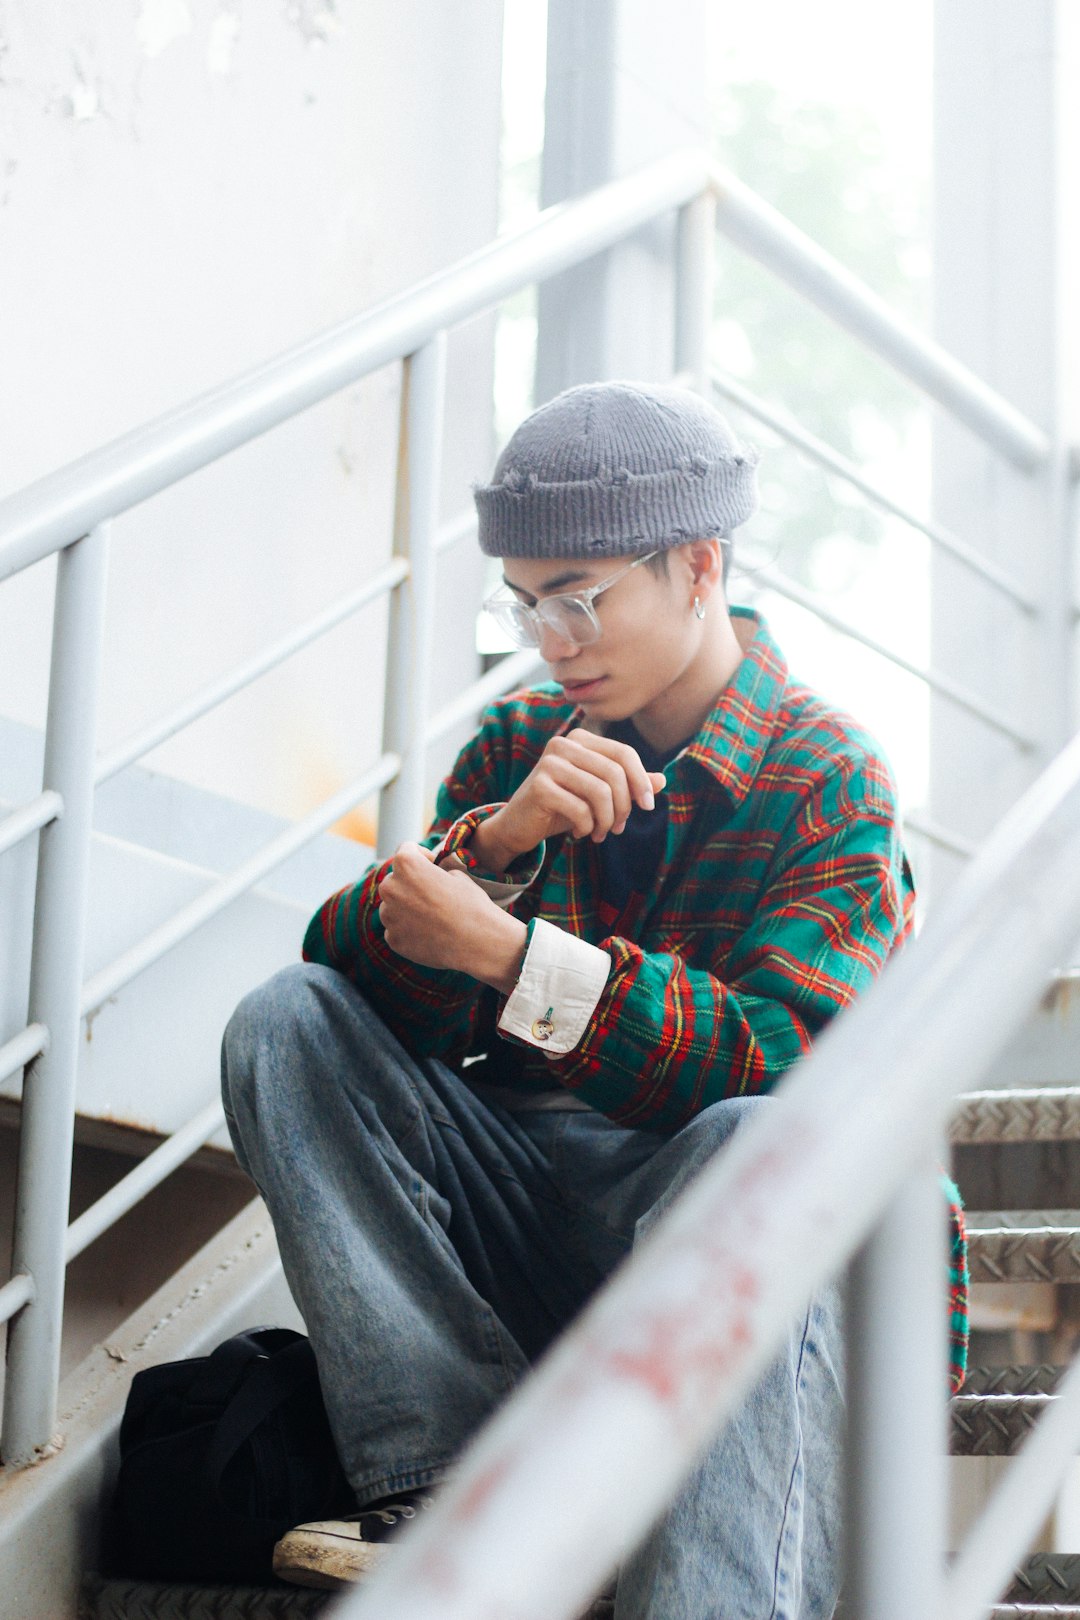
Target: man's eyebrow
(556,583)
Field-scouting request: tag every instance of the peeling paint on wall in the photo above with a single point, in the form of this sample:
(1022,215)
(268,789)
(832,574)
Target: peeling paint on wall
(316,19)
(224,33)
(81,101)
(160,23)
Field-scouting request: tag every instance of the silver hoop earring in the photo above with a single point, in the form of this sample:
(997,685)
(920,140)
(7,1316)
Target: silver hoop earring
(699,607)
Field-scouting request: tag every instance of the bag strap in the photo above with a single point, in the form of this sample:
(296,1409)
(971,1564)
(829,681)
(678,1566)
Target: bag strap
(270,1383)
(222,1371)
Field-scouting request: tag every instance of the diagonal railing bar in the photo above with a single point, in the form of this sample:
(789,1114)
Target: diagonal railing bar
(47,514)
(943,837)
(120,972)
(30,818)
(216,692)
(53,511)
(509,672)
(154,1169)
(23,1049)
(459,528)
(943,684)
(763,232)
(820,452)
(624,1402)
(15,1294)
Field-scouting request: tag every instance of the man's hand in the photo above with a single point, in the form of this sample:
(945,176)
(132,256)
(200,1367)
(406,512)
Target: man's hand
(582,784)
(443,919)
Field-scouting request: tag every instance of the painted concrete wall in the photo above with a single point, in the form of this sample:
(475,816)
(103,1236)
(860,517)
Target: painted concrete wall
(186,188)
(1006,248)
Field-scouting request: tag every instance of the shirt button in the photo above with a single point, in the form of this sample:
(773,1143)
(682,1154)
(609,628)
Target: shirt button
(543,1029)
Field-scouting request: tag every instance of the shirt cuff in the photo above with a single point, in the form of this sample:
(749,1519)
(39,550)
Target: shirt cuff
(560,983)
(454,854)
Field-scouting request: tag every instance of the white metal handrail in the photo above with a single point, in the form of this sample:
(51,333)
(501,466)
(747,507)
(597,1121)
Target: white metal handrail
(774,580)
(617,1413)
(67,511)
(54,511)
(51,515)
(176,1150)
(130,1190)
(109,980)
(763,232)
(22,1049)
(817,450)
(29,819)
(943,837)
(217,692)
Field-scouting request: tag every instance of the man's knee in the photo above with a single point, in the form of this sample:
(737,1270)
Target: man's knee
(279,1016)
(708,1131)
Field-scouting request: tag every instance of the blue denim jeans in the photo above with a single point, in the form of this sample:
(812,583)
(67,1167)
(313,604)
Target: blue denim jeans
(436,1243)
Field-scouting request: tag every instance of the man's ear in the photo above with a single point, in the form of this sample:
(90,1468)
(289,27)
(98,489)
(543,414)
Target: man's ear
(706,561)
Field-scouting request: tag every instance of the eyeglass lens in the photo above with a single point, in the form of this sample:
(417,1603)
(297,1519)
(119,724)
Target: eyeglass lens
(567,618)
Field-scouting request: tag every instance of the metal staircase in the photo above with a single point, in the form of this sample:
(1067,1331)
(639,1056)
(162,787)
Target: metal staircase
(947,1007)
(991,1417)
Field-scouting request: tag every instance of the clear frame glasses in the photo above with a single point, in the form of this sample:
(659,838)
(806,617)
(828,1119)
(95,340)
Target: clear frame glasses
(571,615)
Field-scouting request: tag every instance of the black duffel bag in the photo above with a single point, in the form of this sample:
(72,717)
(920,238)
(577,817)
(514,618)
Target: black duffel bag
(219,1456)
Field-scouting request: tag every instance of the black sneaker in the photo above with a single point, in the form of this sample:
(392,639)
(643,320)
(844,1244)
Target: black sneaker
(336,1552)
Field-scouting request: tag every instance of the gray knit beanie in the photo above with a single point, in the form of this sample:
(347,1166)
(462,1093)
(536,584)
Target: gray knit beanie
(611,468)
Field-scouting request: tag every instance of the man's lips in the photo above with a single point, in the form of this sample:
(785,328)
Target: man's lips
(582,688)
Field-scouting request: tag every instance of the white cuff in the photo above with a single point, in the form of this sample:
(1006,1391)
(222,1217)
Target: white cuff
(561,980)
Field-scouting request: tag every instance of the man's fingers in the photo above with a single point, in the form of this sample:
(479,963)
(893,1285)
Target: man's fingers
(627,759)
(571,809)
(591,790)
(609,771)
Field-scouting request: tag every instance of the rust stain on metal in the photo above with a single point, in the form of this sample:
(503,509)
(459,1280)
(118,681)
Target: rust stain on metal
(1063,995)
(673,1356)
(438,1568)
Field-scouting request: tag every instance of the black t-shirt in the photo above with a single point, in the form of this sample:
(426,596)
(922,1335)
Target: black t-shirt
(629,859)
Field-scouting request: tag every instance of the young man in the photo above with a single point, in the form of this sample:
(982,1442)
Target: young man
(648,885)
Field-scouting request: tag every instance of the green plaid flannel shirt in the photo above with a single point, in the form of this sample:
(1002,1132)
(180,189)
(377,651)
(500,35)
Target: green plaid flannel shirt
(782,892)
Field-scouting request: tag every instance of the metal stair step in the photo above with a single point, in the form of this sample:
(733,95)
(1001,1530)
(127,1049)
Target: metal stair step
(1046,1578)
(103,1598)
(1035,1611)
(1024,1246)
(997,1408)
(1043,1114)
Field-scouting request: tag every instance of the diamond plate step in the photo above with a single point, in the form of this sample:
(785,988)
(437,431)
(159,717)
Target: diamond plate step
(1041,1245)
(1045,1114)
(107,1599)
(997,1408)
(1047,1578)
(1034,1611)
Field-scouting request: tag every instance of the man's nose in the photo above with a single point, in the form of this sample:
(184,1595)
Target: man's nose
(555,648)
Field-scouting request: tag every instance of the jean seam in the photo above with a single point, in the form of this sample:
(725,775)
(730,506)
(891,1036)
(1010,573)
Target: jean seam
(786,1516)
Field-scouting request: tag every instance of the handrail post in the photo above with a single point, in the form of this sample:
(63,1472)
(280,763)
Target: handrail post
(894,1524)
(412,605)
(694,260)
(56,970)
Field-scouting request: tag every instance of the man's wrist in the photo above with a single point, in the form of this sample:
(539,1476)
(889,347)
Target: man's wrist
(496,958)
(488,848)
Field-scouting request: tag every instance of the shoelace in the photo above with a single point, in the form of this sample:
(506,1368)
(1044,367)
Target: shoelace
(391,1514)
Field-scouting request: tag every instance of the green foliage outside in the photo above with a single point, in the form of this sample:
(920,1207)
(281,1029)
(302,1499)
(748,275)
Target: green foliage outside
(823,166)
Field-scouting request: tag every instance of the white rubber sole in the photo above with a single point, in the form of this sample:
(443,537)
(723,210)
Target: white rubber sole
(322,1559)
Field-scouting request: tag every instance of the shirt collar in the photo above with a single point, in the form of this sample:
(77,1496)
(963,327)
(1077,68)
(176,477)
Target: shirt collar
(732,742)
